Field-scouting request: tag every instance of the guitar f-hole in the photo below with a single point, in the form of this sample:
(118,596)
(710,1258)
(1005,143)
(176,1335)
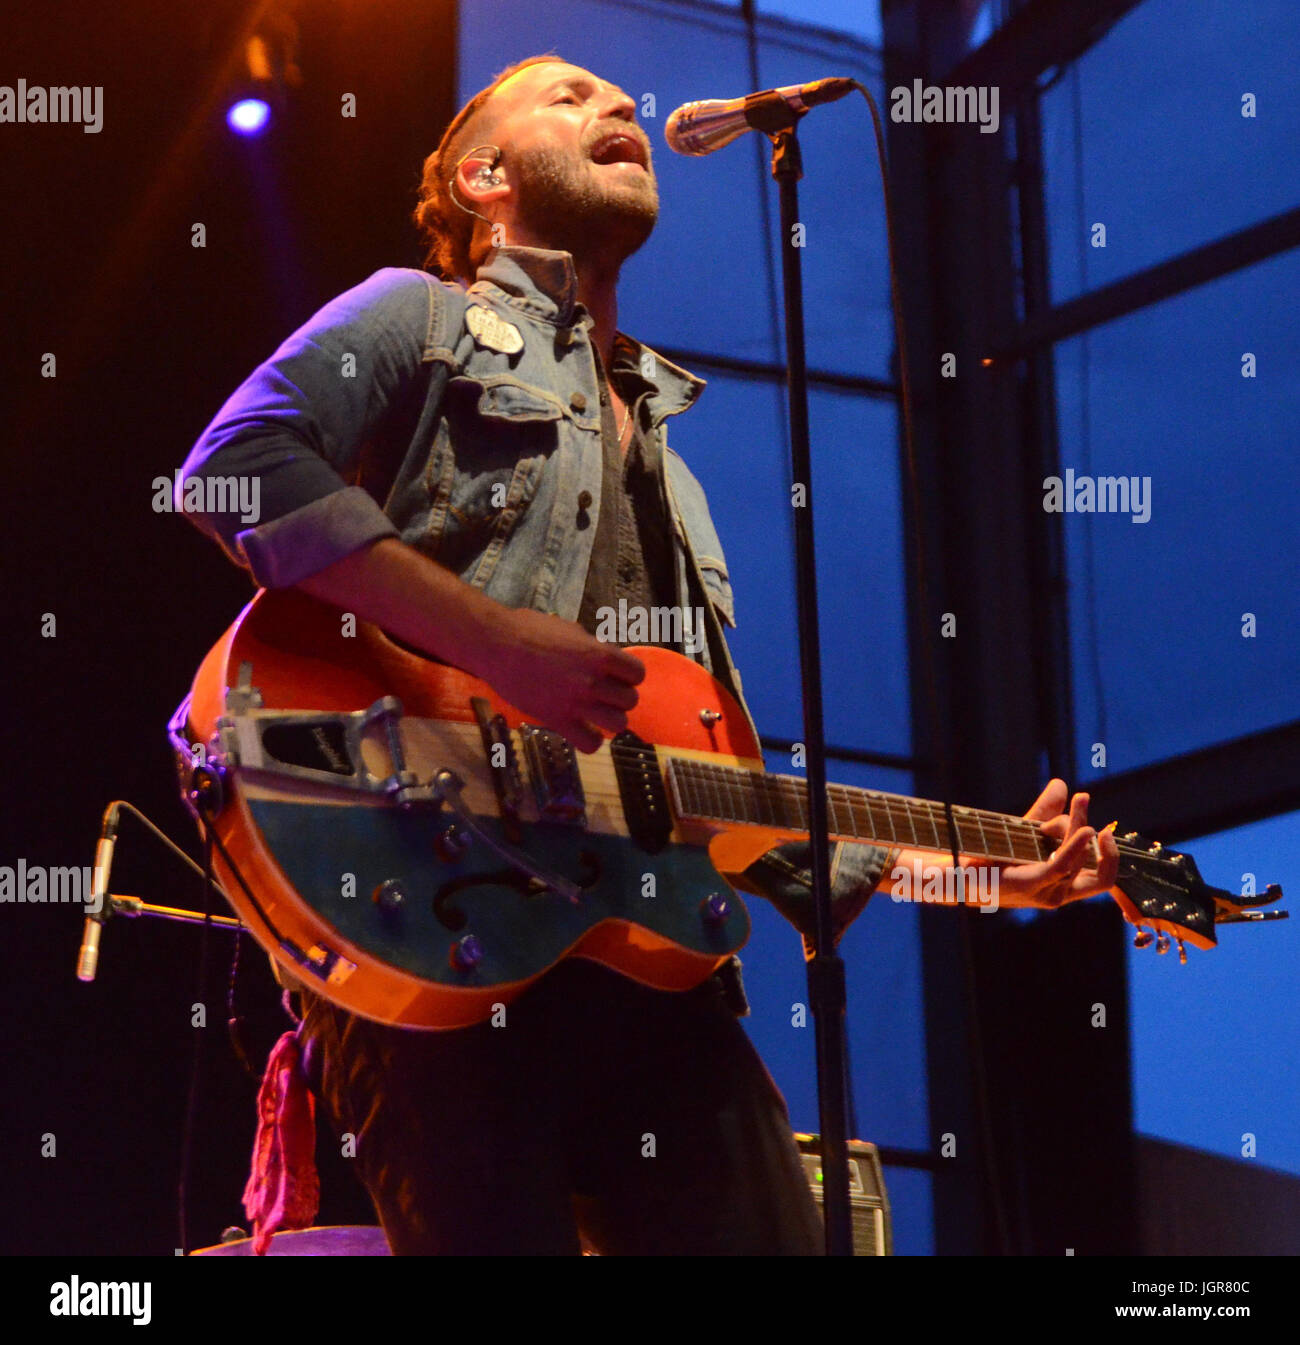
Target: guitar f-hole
(452,917)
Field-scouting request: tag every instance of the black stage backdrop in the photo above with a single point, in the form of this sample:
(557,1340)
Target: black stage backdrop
(149,334)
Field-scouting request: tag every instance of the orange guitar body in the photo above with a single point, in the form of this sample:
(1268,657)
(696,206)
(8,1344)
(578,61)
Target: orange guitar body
(396,961)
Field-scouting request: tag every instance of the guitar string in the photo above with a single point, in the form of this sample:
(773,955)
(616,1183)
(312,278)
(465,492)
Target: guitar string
(771,791)
(711,775)
(858,804)
(788,793)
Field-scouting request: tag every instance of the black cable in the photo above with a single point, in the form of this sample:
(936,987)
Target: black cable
(854,1132)
(1085,418)
(208,830)
(191,1101)
(206,805)
(236,1024)
(168,842)
(942,765)
(762,164)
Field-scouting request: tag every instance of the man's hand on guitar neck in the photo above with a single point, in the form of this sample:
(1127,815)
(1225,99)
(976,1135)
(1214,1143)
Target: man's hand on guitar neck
(1067,875)
(551,669)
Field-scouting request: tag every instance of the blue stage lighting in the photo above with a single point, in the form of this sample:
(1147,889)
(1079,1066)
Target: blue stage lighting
(249,116)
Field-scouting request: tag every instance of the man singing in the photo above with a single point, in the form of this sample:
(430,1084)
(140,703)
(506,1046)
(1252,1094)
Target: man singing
(481,472)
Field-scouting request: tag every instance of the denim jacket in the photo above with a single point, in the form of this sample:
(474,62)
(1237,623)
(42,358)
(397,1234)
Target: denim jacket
(474,436)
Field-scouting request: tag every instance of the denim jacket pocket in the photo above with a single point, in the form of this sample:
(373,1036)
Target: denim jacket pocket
(518,496)
(507,398)
(492,449)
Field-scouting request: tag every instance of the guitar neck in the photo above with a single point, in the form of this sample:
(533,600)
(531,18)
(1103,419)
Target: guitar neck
(707,792)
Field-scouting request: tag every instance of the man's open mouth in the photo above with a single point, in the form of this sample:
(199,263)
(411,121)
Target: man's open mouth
(619,147)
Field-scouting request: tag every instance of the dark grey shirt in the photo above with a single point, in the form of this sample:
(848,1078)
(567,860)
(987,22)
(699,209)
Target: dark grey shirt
(632,557)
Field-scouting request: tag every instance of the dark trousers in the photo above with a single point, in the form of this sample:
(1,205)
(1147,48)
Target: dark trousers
(641,1117)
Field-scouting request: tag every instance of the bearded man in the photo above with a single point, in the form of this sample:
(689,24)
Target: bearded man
(481,469)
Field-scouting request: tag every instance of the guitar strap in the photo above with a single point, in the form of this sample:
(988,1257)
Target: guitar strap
(697,597)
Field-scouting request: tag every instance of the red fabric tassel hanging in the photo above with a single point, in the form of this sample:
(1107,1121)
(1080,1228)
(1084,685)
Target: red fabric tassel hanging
(283,1189)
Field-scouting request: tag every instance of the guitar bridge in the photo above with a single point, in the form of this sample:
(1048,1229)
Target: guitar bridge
(556,780)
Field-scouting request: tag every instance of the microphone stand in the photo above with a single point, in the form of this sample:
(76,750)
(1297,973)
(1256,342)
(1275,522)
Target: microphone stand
(137,906)
(826,985)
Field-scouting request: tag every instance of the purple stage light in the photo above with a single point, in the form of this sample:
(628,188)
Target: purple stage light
(249,116)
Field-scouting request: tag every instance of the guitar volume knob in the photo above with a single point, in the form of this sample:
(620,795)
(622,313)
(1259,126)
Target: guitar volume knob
(389,895)
(466,953)
(715,908)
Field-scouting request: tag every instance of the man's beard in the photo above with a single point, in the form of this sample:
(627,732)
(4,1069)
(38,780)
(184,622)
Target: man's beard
(563,201)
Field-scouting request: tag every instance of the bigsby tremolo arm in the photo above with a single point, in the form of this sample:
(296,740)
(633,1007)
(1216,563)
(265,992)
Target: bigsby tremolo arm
(281,743)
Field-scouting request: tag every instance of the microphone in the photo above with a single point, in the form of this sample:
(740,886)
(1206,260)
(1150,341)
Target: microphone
(702,127)
(88,958)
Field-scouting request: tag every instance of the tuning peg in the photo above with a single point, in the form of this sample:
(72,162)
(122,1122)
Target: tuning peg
(1142,939)
(1162,942)
(1182,953)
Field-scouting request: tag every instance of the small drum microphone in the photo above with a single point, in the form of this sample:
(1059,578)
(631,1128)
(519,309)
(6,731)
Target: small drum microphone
(97,904)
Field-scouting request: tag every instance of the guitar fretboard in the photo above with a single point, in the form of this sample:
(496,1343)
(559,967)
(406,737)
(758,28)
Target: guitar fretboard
(707,791)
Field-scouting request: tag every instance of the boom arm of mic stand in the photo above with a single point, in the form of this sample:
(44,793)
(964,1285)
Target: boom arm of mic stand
(135,906)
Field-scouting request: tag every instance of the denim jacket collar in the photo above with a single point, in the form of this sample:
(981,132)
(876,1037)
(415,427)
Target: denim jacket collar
(544,285)
(536,281)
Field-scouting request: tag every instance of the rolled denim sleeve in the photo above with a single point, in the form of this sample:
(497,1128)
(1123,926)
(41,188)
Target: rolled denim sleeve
(297,426)
(784,877)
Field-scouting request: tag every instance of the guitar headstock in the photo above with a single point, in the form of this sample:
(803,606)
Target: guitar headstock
(1163,894)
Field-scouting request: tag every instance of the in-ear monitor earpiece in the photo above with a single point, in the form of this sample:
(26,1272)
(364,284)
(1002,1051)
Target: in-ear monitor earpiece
(486,175)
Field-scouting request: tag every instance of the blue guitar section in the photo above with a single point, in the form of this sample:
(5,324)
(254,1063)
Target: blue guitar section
(520,932)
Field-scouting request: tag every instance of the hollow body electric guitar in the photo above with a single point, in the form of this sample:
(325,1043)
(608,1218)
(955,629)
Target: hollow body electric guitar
(411,847)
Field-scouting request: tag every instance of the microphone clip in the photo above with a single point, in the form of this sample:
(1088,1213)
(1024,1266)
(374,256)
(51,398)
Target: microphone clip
(771,112)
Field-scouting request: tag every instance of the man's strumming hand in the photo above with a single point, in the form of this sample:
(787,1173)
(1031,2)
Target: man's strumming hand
(558,674)
(550,669)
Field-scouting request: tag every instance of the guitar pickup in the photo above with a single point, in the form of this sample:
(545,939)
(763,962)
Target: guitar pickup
(504,767)
(556,780)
